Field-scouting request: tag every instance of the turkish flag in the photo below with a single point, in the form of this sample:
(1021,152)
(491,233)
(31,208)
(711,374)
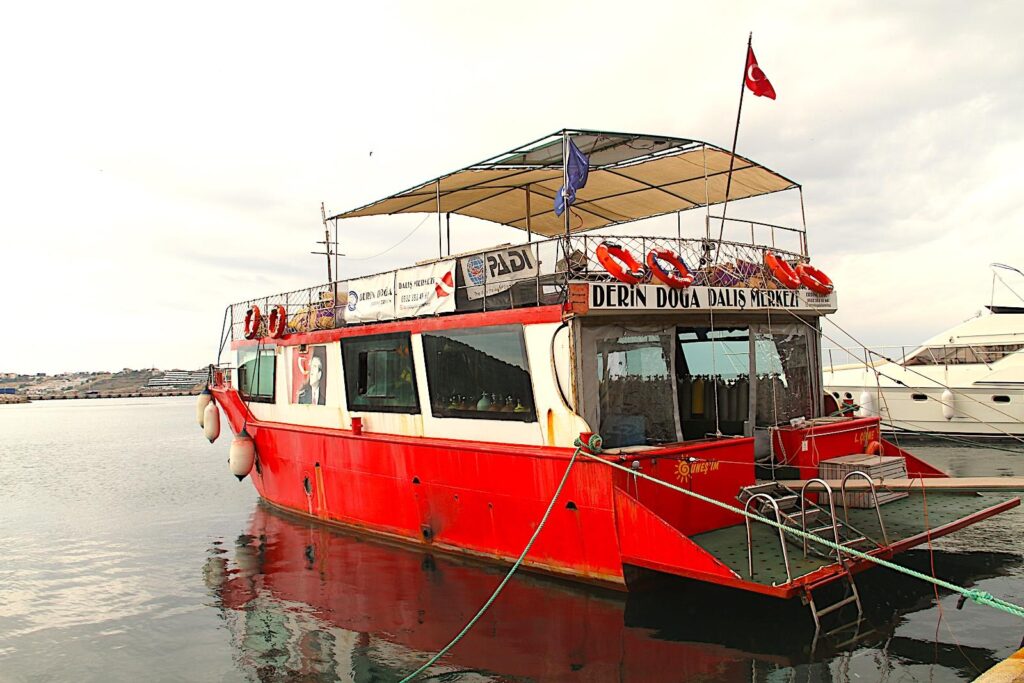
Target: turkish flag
(755,78)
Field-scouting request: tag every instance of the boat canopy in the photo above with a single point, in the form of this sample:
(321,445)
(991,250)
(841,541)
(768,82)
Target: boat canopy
(632,177)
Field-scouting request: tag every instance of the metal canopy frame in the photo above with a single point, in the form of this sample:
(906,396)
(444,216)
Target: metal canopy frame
(536,169)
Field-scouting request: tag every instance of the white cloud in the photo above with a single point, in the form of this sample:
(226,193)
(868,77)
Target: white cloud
(158,163)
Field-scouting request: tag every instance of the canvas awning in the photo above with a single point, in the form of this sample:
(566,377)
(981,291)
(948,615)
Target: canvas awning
(631,177)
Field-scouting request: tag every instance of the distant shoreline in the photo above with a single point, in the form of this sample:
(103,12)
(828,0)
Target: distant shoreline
(14,399)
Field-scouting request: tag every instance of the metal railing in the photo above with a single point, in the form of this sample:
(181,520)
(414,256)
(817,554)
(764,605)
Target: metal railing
(556,262)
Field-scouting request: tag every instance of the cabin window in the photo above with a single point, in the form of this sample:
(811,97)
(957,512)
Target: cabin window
(634,369)
(256,370)
(782,364)
(962,355)
(479,374)
(714,380)
(1001,399)
(379,374)
(919,397)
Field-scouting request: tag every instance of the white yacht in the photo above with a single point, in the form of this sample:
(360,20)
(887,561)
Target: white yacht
(968,380)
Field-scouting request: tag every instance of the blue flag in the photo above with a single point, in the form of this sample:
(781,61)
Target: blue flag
(577,169)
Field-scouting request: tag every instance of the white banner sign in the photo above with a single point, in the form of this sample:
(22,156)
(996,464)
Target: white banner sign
(371,298)
(618,296)
(498,269)
(426,290)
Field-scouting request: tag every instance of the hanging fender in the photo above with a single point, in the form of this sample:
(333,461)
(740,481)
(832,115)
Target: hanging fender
(781,271)
(276,321)
(620,264)
(654,258)
(252,322)
(814,280)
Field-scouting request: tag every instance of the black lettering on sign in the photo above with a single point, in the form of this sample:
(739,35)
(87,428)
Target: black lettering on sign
(519,261)
(662,297)
(640,297)
(623,295)
(598,297)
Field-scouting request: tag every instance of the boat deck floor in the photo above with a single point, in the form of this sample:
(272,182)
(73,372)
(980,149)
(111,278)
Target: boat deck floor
(903,518)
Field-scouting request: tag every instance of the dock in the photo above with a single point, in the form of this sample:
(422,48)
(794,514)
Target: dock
(1010,670)
(917,484)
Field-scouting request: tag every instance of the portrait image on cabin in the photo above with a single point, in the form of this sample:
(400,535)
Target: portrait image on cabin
(309,376)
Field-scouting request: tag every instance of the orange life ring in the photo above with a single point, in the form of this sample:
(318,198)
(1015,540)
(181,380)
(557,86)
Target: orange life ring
(276,321)
(252,322)
(684,279)
(781,271)
(813,279)
(874,448)
(620,264)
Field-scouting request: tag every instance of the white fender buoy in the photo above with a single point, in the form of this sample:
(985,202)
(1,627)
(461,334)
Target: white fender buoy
(948,404)
(201,402)
(211,421)
(867,405)
(241,455)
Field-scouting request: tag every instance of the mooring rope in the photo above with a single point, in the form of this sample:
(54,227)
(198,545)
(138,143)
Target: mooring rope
(594,444)
(978,596)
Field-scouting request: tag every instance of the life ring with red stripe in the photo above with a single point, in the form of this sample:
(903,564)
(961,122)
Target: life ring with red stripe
(620,264)
(252,322)
(781,271)
(276,323)
(814,280)
(654,258)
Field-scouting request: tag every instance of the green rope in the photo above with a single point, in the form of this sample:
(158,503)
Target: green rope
(594,445)
(978,596)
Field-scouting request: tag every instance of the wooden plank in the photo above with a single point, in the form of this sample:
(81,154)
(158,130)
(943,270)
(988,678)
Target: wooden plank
(916,484)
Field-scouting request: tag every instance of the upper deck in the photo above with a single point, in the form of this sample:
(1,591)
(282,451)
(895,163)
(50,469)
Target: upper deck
(628,178)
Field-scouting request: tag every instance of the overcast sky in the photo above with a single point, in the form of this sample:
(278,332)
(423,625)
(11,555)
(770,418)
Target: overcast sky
(159,161)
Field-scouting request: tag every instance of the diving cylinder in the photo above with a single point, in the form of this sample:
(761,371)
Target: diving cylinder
(867,405)
(948,404)
(201,402)
(241,455)
(211,421)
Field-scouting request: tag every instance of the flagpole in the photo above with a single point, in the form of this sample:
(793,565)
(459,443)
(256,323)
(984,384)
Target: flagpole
(565,186)
(735,136)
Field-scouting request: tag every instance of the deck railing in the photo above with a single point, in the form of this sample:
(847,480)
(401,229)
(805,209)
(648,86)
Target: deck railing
(556,261)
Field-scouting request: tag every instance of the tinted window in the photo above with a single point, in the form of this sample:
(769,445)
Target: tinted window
(379,374)
(256,374)
(481,374)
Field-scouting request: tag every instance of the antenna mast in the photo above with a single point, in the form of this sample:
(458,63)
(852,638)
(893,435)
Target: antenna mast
(327,241)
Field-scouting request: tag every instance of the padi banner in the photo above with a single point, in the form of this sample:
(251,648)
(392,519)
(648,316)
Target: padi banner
(607,296)
(371,298)
(498,269)
(425,290)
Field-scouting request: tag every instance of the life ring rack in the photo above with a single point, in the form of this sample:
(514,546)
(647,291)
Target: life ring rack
(813,279)
(277,322)
(253,317)
(620,264)
(781,271)
(682,280)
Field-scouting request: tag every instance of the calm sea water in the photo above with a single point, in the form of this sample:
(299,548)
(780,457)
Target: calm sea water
(128,552)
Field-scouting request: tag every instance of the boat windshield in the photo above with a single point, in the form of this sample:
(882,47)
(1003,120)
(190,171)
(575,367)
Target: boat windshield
(962,355)
(657,384)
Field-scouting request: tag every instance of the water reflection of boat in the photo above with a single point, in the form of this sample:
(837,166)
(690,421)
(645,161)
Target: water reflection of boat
(305,601)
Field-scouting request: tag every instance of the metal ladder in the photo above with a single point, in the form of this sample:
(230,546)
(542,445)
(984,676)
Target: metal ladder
(782,500)
(854,595)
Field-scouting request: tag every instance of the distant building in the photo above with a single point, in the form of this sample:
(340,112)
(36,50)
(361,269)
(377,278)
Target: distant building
(177,379)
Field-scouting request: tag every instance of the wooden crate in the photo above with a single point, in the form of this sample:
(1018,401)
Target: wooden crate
(875,466)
